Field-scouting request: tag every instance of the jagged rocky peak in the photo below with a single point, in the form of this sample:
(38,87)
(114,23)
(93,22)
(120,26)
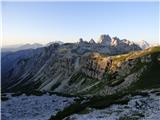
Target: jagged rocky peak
(115,38)
(115,41)
(92,41)
(105,40)
(126,41)
(81,40)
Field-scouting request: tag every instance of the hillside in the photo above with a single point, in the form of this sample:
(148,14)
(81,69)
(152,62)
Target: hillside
(87,85)
(57,69)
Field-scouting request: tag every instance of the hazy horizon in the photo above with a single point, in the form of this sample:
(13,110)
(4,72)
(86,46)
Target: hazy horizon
(20,44)
(44,22)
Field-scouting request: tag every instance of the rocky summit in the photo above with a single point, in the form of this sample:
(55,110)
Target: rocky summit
(105,40)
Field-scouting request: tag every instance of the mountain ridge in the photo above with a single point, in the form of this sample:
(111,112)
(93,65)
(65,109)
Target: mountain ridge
(104,40)
(74,68)
(57,69)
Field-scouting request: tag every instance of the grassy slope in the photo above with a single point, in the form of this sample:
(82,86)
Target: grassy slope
(150,79)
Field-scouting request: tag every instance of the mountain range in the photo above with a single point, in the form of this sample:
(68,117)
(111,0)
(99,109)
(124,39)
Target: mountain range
(84,68)
(112,41)
(14,48)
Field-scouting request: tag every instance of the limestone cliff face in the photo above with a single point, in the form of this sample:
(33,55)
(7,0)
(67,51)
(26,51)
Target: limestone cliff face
(111,74)
(115,73)
(93,65)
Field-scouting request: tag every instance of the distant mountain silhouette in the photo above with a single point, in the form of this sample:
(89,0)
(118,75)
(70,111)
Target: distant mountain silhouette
(13,48)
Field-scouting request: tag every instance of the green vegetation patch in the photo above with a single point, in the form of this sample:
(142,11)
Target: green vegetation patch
(150,78)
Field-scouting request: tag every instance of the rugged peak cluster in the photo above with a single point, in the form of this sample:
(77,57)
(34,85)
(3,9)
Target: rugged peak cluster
(107,45)
(106,41)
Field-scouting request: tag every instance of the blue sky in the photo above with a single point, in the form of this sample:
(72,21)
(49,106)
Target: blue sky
(43,22)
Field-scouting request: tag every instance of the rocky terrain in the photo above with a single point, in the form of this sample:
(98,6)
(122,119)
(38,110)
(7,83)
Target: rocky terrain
(138,108)
(37,69)
(33,107)
(101,73)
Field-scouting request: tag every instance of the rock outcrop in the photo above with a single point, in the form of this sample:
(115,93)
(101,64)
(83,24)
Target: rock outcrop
(92,41)
(105,40)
